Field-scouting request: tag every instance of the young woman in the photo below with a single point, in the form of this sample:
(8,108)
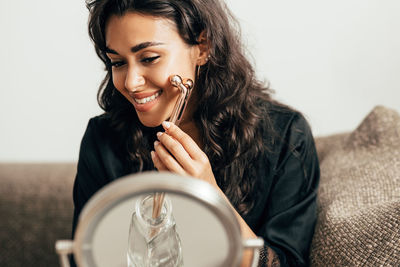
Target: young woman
(257,153)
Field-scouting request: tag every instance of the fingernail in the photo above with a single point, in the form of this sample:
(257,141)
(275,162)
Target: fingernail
(166,124)
(159,134)
(152,154)
(156,143)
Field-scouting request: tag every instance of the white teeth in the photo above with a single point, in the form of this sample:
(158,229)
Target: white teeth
(147,99)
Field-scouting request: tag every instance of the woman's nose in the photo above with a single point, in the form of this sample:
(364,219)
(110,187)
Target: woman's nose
(134,79)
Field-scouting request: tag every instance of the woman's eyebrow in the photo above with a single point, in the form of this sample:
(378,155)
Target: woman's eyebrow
(135,48)
(144,45)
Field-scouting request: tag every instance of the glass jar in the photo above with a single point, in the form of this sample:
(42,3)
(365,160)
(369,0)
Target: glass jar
(153,241)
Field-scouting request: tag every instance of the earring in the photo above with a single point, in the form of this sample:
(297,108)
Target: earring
(198,71)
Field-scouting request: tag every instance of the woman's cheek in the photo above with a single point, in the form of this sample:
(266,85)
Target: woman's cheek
(116,81)
(160,74)
(171,65)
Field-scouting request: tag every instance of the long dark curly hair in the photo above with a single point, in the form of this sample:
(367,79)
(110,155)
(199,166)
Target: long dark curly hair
(230,99)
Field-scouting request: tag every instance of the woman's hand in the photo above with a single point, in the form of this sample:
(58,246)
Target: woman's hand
(177,152)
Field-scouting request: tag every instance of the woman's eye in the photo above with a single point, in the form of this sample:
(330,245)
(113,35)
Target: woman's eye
(149,59)
(117,64)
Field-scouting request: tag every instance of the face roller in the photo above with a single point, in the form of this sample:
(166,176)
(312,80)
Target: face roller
(176,117)
(182,101)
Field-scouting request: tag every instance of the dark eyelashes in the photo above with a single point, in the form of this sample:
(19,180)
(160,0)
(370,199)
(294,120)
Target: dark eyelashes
(147,60)
(116,64)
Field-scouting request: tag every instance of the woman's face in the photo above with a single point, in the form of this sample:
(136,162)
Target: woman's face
(145,51)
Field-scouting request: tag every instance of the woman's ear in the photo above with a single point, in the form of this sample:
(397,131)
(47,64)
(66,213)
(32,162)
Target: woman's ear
(204,48)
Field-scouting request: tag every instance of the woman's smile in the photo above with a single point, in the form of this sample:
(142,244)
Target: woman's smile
(145,101)
(143,98)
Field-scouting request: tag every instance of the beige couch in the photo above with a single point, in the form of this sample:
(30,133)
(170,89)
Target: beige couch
(358,216)
(35,210)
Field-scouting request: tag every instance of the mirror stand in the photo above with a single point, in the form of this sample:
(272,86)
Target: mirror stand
(64,248)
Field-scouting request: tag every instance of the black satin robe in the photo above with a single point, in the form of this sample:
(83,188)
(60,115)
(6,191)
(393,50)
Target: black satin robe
(287,178)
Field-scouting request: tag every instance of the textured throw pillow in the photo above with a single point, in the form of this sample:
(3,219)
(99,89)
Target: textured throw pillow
(359,195)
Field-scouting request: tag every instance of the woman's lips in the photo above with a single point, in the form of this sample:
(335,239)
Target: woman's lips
(143,102)
(145,97)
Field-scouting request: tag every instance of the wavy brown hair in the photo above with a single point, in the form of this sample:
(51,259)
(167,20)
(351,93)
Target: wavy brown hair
(229,111)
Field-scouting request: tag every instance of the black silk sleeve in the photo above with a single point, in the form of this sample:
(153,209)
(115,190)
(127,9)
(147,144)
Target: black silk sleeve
(291,208)
(97,166)
(88,173)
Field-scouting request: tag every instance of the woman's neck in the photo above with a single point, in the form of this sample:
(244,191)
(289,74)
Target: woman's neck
(190,128)
(188,124)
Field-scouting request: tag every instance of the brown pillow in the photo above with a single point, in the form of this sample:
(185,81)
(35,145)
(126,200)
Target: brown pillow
(359,195)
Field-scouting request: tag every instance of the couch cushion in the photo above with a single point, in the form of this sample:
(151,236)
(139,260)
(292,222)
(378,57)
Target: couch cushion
(359,195)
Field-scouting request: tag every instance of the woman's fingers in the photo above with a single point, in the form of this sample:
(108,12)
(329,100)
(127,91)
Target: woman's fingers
(177,151)
(157,162)
(184,139)
(166,159)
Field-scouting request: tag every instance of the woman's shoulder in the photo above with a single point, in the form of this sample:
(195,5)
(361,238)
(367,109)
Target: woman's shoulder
(101,148)
(284,126)
(98,132)
(284,119)
(99,122)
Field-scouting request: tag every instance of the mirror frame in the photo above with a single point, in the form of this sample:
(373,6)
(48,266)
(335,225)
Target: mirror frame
(134,185)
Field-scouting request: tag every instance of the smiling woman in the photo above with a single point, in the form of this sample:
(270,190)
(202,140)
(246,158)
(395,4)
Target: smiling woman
(257,153)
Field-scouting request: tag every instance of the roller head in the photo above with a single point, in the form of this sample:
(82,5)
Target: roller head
(189,84)
(176,80)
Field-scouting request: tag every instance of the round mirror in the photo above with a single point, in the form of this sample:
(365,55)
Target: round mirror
(205,229)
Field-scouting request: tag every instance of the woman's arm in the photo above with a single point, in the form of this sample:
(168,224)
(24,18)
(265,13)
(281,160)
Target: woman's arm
(267,256)
(289,208)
